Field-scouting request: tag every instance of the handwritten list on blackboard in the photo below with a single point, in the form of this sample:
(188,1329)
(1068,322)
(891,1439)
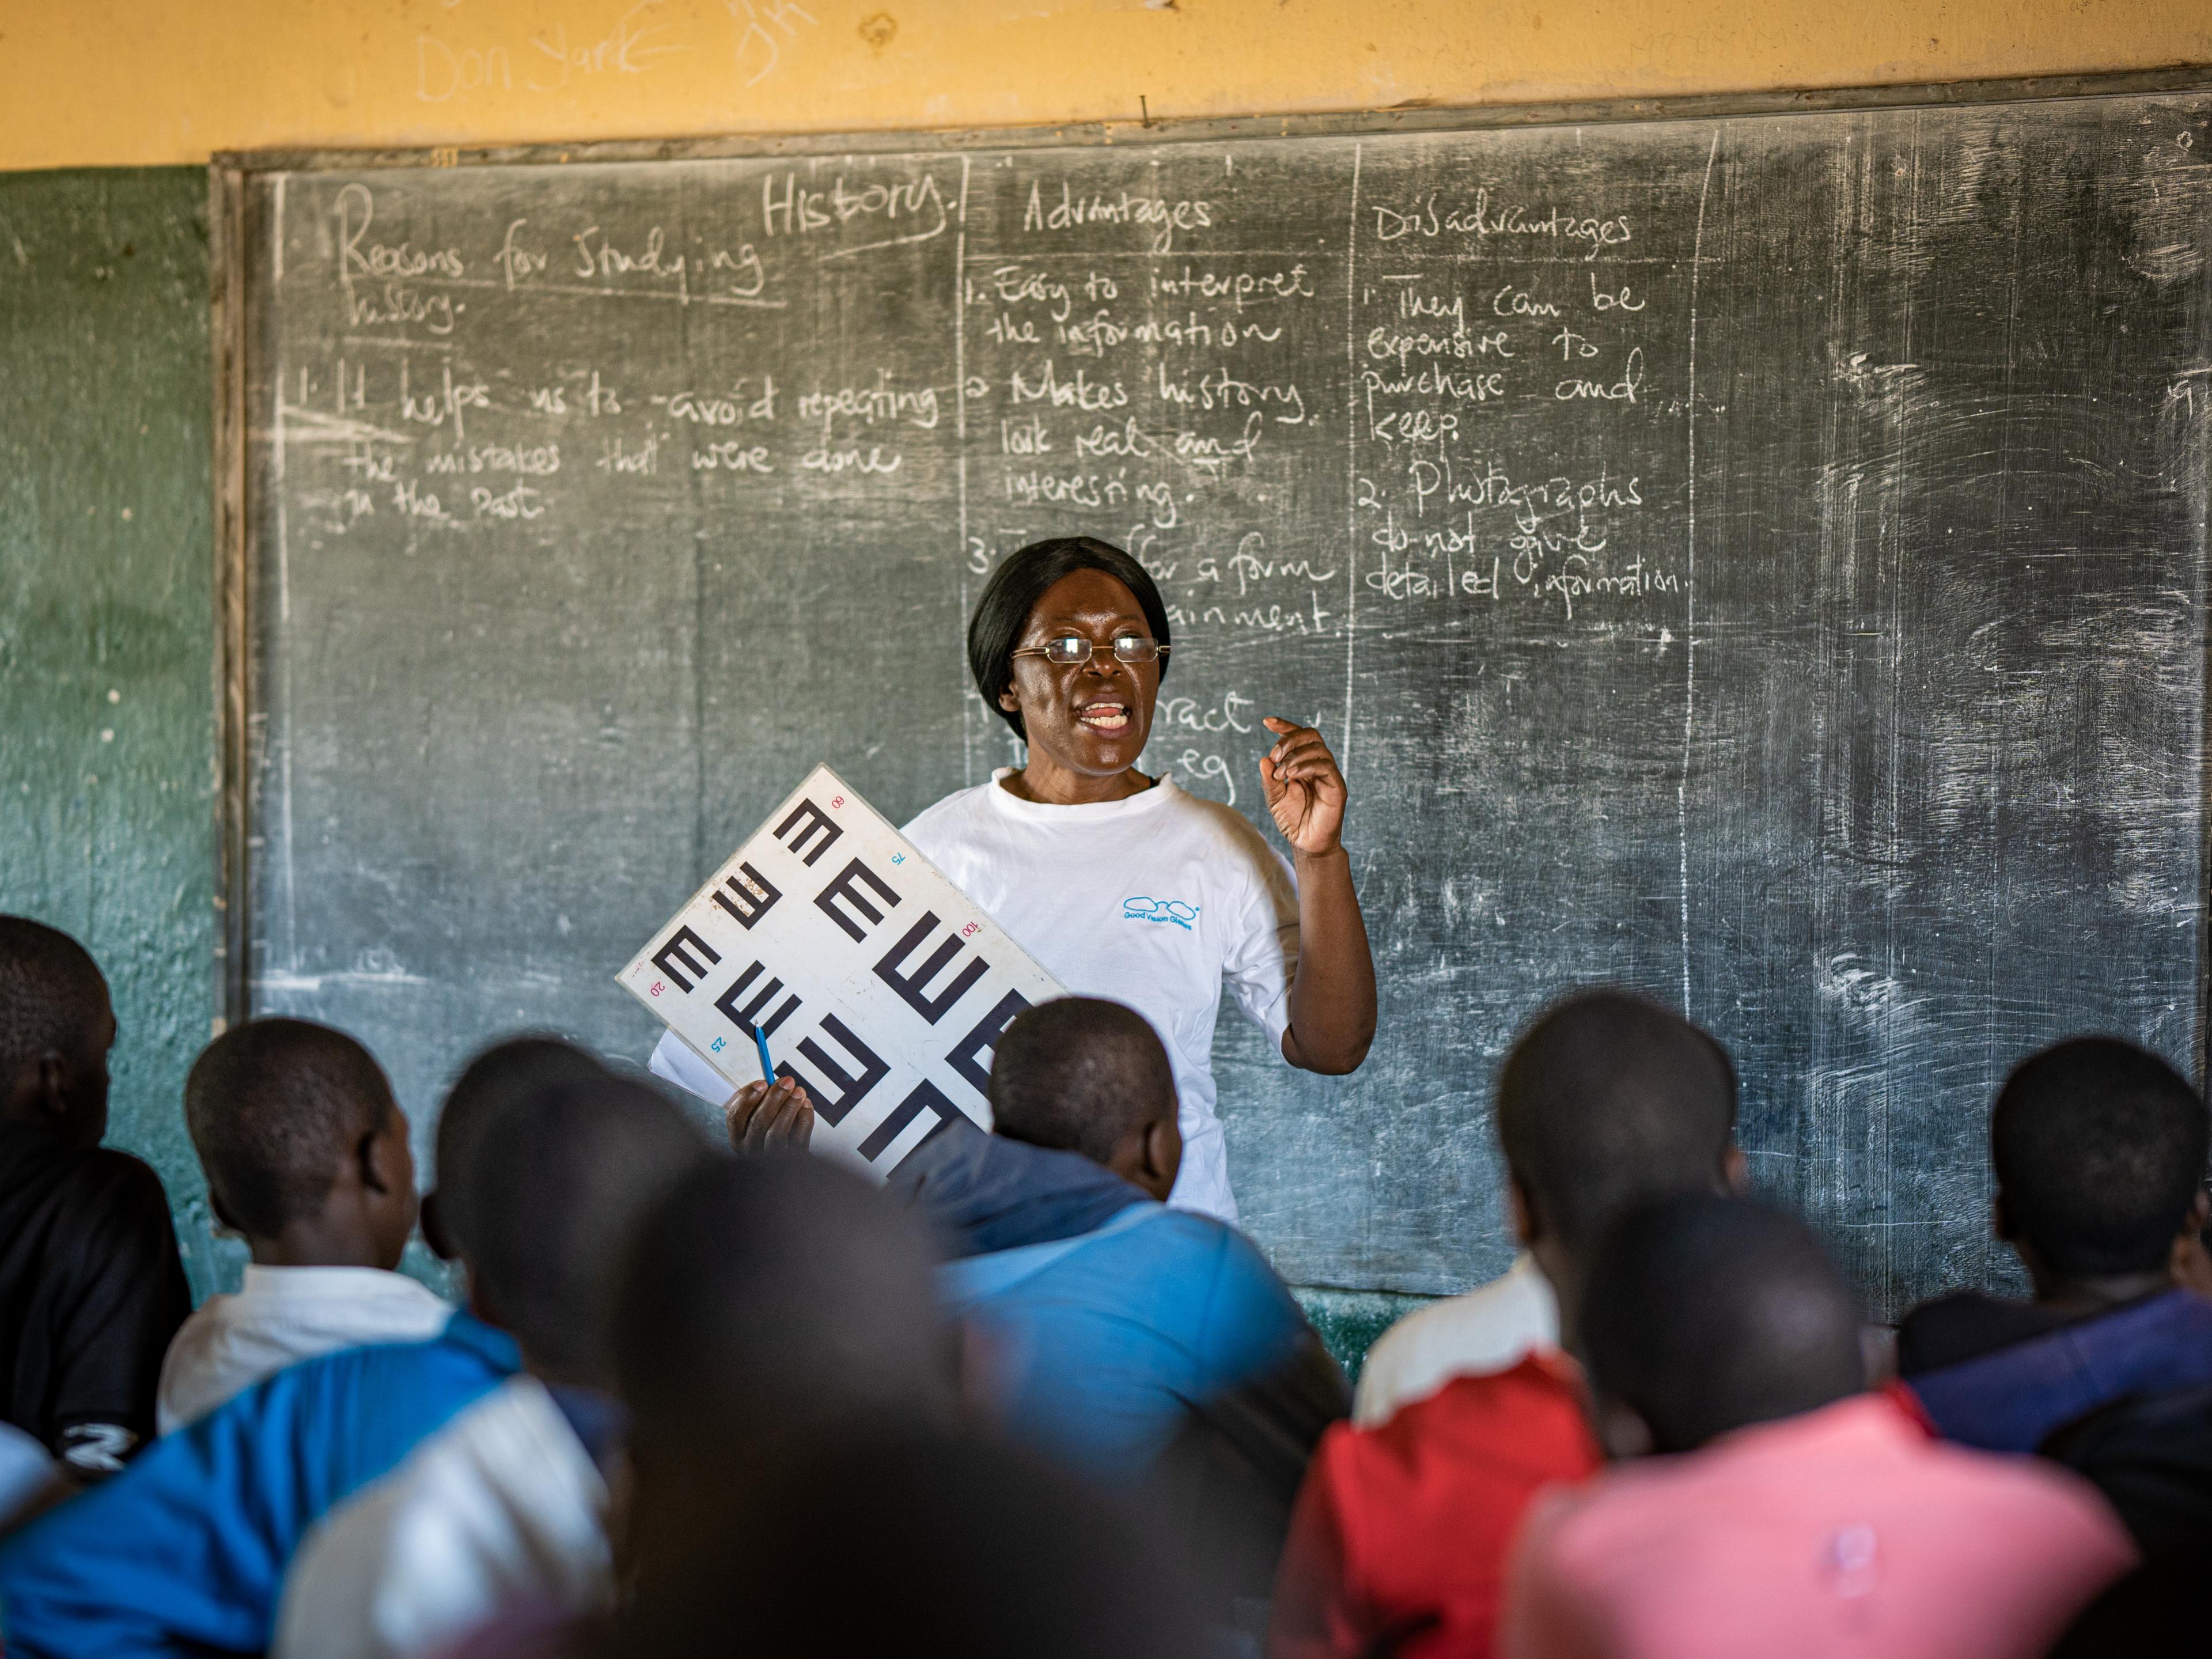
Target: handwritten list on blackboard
(1761,562)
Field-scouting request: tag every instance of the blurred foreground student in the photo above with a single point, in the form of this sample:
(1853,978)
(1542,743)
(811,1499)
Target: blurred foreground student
(1400,1539)
(305,1155)
(1787,1511)
(91,1285)
(28,1475)
(946,1543)
(2151,1457)
(771,1309)
(1144,1347)
(509,1501)
(186,1550)
(2098,1149)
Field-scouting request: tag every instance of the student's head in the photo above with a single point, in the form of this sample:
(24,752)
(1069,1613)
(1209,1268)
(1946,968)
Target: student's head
(304,1148)
(56,1028)
(1079,1074)
(1703,1313)
(869,1544)
(769,1299)
(558,1183)
(516,1069)
(1091,716)
(2100,1149)
(1608,1101)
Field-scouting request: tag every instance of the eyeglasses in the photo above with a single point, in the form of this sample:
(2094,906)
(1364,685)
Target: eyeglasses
(1070,650)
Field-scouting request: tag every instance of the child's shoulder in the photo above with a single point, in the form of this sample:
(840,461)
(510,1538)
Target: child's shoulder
(124,1187)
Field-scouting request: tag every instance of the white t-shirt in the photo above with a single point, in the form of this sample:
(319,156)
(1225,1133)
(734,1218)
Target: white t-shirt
(1487,1329)
(1154,901)
(280,1316)
(502,1505)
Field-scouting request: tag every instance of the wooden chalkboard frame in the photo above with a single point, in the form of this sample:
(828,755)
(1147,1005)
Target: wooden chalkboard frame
(228,171)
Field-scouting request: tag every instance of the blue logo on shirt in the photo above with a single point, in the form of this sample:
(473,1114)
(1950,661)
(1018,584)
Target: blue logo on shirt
(1174,912)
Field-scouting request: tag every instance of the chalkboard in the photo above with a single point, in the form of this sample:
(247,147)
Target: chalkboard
(1761,560)
(106,726)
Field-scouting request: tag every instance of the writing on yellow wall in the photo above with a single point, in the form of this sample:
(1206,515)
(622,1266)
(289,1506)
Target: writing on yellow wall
(140,81)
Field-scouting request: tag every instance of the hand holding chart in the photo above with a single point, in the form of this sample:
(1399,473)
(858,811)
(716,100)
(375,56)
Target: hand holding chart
(829,950)
(777,1113)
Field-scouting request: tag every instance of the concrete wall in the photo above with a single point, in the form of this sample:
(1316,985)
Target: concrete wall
(137,82)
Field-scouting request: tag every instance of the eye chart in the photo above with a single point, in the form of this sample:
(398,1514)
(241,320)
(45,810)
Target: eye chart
(879,987)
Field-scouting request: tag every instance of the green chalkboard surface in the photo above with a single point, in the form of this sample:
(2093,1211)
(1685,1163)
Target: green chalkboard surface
(107,699)
(1761,560)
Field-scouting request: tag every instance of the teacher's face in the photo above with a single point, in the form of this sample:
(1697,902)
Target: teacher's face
(1092,718)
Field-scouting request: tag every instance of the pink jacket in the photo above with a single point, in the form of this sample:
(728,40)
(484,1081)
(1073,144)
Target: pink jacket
(1846,1531)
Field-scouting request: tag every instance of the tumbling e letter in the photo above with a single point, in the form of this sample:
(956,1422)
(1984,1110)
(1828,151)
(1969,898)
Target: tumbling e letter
(850,1087)
(686,947)
(808,821)
(910,987)
(841,887)
(749,895)
(966,1059)
(747,1018)
(924,1096)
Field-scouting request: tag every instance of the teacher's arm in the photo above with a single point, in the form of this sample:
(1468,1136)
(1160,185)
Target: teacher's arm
(1332,994)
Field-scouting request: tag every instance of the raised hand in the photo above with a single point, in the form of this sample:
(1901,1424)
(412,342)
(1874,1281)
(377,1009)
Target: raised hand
(1304,789)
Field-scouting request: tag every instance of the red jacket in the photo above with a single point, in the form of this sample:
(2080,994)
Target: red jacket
(1399,1542)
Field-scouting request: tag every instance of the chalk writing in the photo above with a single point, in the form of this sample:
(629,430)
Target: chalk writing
(1486,217)
(1162,216)
(1119,356)
(763,30)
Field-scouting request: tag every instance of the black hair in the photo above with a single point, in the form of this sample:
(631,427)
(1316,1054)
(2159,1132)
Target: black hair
(518,1069)
(856,1545)
(578,1167)
(1707,1314)
(276,1108)
(1002,613)
(2100,1149)
(773,1290)
(1078,1074)
(1607,1100)
(51,996)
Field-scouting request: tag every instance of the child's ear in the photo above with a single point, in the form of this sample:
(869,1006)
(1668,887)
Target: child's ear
(1622,1431)
(224,1219)
(1524,1212)
(377,1162)
(1736,1171)
(55,1079)
(434,1232)
(1162,1152)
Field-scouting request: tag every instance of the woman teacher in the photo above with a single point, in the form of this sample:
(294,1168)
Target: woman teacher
(1123,886)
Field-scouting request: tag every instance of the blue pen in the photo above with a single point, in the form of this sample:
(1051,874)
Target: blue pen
(768,1066)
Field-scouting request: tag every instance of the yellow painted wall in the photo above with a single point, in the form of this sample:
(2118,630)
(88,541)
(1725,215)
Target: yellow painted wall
(115,83)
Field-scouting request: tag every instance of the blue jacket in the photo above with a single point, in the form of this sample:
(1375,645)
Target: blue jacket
(1117,1327)
(186,1550)
(2012,1398)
